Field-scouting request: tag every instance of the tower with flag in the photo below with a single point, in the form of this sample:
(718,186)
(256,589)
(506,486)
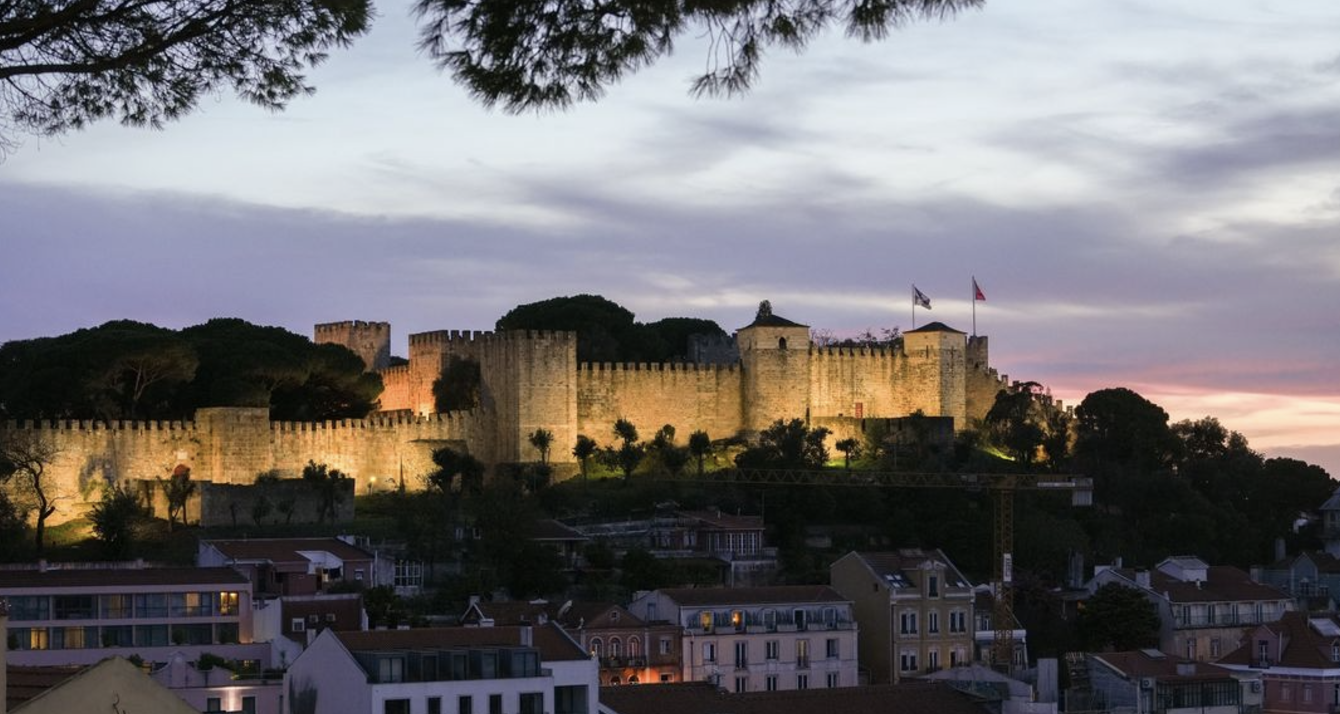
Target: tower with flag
(977,294)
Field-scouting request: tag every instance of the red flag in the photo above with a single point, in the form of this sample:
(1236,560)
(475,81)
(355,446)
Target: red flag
(977,293)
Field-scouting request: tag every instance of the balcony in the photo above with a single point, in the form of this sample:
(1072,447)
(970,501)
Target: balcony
(1220,620)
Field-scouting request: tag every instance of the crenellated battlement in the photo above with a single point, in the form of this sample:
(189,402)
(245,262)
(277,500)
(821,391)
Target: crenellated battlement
(589,367)
(837,351)
(487,336)
(343,325)
(90,426)
(382,422)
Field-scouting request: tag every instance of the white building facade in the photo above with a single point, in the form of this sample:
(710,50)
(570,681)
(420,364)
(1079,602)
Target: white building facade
(474,670)
(760,639)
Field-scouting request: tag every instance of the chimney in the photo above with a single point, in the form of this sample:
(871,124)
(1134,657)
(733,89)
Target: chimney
(1279,549)
(527,636)
(1142,578)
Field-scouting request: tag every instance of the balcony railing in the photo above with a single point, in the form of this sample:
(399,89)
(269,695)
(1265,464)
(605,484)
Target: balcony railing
(1222,620)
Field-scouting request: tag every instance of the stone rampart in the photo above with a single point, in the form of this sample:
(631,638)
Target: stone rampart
(858,382)
(227,445)
(687,396)
(371,341)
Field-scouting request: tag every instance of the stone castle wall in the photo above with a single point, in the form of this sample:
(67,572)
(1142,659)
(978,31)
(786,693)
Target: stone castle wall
(369,340)
(688,397)
(226,445)
(529,380)
(855,382)
(983,382)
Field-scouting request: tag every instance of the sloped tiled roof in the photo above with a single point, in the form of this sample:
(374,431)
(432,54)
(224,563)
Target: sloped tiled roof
(776,594)
(1138,663)
(700,698)
(893,565)
(935,327)
(554,645)
(1332,503)
(1304,647)
(1223,583)
(550,529)
(129,577)
(286,550)
(771,320)
(27,682)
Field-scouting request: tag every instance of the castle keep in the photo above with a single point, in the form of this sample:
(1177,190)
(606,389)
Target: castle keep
(531,380)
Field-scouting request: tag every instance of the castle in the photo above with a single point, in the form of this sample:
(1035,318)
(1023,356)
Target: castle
(531,380)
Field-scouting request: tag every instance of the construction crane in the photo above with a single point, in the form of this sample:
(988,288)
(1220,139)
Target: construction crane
(1001,486)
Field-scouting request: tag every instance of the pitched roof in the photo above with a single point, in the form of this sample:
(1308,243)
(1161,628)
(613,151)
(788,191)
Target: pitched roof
(1139,663)
(894,565)
(129,577)
(550,529)
(572,614)
(1304,646)
(287,550)
(701,698)
(935,327)
(726,521)
(28,682)
(766,318)
(775,594)
(1223,583)
(554,645)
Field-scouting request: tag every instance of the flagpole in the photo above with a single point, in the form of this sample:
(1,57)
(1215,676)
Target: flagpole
(974,306)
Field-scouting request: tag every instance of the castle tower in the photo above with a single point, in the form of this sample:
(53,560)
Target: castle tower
(937,369)
(369,340)
(530,381)
(775,360)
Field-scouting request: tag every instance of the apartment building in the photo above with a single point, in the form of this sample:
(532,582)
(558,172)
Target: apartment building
(761,638)
(915,607)
(629,650)
(1206,611)
(67,615)
(456,670)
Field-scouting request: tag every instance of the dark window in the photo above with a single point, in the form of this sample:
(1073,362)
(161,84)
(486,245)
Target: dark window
(395,706)
(29,607)
(73,607)
(434,705)
(570,700)
(495,704)
(248,705)
(465,705)
(532,703)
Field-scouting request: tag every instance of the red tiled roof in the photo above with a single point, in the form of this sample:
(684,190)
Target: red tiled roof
(699,698)
(1223,583)
(1304,647)
(775,594)
(27,682)
(285,550)
(1162,667)
(898,562)
(14,579)
(554,645)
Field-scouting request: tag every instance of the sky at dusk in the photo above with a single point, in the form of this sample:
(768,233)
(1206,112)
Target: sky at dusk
(1147,192)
